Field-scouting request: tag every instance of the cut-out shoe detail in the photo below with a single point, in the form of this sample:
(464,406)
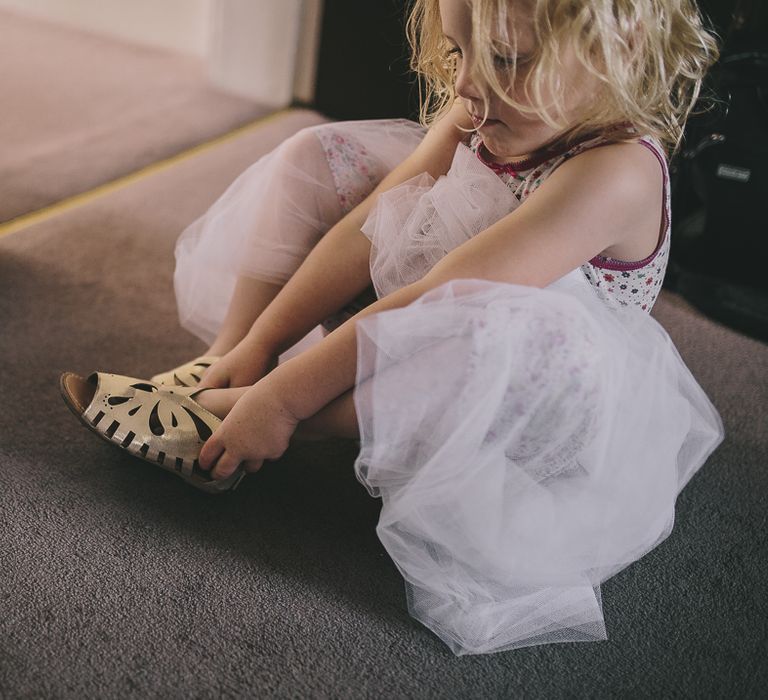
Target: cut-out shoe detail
(188,374)
(163,425)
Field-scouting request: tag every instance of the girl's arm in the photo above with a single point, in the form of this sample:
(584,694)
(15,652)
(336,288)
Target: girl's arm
(337,268)
(601,198)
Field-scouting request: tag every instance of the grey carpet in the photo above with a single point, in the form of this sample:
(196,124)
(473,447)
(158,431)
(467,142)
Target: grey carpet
(117,580)
(80,110)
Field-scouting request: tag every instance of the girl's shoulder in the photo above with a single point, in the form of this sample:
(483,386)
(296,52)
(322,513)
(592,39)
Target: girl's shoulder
(640,158)
(637,167)
(640,161)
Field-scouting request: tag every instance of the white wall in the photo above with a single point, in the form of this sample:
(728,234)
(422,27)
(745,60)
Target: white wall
(309,49)
(265,49)
(253,47)
(179,25)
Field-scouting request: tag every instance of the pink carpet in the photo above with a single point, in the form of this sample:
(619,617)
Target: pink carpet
(79,110)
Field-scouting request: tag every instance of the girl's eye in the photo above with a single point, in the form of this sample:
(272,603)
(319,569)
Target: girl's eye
(454,51)
(506,61)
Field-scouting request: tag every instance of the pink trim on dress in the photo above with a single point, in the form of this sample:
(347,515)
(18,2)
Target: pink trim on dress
(516,166)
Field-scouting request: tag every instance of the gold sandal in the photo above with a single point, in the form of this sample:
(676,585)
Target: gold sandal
(188,374)
(159,424)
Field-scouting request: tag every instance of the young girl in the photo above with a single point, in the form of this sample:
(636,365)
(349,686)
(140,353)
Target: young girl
(526,422)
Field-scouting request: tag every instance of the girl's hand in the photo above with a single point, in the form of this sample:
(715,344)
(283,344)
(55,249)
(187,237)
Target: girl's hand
(244,365)
(259,427)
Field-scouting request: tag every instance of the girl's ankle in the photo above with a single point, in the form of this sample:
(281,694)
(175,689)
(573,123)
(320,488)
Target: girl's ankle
(218,349)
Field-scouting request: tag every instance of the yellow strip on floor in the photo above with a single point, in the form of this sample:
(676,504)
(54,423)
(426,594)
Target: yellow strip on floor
(78,200)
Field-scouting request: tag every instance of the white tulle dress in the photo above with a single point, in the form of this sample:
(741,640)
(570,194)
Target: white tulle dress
(527,444)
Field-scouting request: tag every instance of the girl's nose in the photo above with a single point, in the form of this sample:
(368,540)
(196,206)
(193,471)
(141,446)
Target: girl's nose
(465,85)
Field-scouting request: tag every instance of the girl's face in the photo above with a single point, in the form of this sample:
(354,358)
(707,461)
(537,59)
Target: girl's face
(507,134)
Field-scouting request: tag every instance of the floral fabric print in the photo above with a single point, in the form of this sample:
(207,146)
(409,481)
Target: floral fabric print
(355,175)
(355,172)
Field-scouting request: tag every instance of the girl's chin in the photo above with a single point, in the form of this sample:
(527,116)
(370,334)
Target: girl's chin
(502,152)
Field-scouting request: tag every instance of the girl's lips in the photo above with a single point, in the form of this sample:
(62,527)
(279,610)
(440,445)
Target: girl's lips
(477,121)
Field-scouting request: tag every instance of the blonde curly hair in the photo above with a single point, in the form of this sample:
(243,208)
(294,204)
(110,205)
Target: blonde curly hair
(649,58)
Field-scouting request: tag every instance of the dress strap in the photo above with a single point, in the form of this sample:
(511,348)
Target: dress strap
(607,263)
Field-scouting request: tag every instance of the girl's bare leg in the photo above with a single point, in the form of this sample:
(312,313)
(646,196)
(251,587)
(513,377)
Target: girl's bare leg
(311,207)
(336,420)
(250,298)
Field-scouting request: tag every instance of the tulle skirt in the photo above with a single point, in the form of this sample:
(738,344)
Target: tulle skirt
(527,443)
(271,216)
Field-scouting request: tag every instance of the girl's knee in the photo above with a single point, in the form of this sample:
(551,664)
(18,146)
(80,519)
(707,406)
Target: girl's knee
(302,145)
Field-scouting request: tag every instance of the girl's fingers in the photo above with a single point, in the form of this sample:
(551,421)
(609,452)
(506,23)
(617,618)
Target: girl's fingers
(212,450)
(226,465)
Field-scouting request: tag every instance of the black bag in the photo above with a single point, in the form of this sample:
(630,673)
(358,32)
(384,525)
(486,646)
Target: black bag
(719,254)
